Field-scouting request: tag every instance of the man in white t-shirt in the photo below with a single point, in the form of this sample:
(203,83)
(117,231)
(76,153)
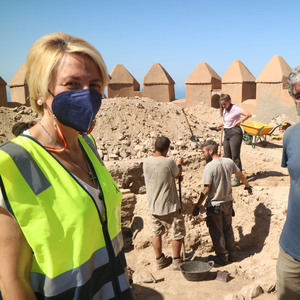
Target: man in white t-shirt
(217,191)
(164,206)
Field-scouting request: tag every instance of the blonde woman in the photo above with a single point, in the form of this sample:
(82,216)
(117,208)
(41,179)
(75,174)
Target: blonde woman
(60,231)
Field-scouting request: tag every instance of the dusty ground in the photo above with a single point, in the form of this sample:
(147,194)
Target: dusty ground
(125,132)
(257,226)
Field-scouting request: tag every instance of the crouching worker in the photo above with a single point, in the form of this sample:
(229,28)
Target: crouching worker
(160,173)
(218,192)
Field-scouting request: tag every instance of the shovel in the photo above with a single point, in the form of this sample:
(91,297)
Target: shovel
(214,128)
(193,137)
(153,279)
(180,211)
(221,142)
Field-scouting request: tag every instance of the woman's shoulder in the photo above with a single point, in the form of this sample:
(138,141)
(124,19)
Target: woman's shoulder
(236,107)
(12,146)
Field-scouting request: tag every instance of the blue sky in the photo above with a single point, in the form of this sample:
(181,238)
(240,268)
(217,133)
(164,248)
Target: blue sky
(177,34)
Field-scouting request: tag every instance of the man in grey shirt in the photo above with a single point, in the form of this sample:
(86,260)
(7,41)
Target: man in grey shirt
(217,191)
(160,173)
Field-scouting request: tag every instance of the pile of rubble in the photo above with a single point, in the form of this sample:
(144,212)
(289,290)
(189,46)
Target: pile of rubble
(126,128)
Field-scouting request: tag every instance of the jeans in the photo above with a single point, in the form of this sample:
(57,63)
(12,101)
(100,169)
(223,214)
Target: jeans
(219,223)
(232,144)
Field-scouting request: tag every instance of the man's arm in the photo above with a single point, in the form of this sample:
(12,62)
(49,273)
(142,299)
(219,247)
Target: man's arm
(15,260)
(203,195)
(243,179)
(179,165)
(245,116)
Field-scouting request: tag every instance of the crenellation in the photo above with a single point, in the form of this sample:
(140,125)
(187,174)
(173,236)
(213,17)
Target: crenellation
(122,83)
(3,94)
(239,83)
(18,87)
(158,84)
(203,86)
(272,88)
(200,84)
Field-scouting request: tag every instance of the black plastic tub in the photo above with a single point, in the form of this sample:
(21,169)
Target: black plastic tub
(196,270)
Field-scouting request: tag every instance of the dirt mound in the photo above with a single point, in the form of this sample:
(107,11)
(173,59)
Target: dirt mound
(9,116)
(127,127)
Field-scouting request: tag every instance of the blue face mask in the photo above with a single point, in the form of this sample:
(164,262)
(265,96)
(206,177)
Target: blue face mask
(77,108)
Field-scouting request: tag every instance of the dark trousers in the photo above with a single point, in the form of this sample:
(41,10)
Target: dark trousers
(232,144)
(219,223)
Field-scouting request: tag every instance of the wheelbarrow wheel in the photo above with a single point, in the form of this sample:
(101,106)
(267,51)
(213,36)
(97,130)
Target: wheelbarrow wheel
(247,139)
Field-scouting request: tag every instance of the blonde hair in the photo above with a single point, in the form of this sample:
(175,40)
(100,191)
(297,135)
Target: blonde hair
(223,98)
(45,54)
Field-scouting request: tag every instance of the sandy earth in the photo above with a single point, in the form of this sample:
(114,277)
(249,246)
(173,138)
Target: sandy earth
(125,131)
(257,226)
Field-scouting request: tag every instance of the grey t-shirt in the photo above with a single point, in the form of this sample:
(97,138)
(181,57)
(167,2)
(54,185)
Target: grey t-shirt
(218,173)
(160,173)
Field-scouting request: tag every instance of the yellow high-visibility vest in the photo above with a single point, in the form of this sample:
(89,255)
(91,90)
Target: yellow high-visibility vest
(77,254)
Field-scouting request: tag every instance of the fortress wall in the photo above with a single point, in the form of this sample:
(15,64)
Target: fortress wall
(267,97)
(122,90)
(198,94)
(234,90)
(250,105)
(240,92)
(19,94)
(248,91)
(269,91)
(3,94)
(272,101)
(159,92)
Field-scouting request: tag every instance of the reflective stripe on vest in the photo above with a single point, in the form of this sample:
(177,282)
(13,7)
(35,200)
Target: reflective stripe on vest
(27,166)
(59,231)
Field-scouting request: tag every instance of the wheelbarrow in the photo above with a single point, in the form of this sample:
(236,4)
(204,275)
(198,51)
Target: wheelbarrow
(255,132)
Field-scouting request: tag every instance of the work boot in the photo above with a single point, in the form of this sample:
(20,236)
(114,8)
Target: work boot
(235,181)
(219,260)
(232,257)
(177,262)
(188,256)
(163,262)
